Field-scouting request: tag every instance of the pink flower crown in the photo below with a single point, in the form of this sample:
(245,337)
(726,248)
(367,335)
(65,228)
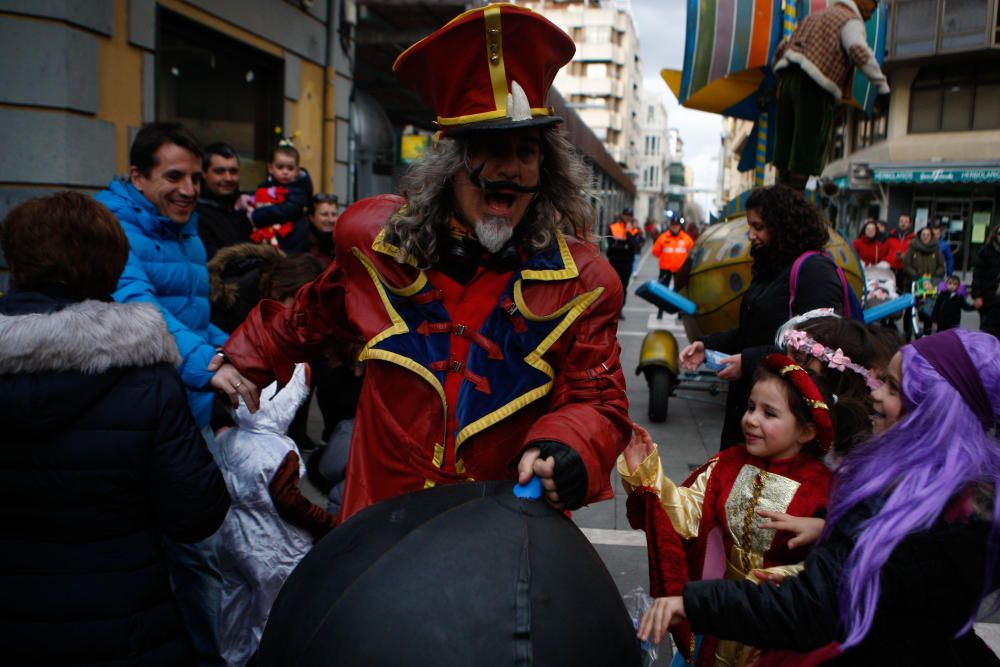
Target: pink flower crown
(797,340)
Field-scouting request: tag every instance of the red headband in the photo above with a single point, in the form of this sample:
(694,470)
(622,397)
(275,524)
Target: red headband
(818,409)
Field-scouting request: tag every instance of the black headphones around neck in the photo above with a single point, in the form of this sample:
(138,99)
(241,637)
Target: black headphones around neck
(468,252)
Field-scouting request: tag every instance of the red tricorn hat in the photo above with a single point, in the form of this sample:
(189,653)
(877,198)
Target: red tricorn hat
(489,68)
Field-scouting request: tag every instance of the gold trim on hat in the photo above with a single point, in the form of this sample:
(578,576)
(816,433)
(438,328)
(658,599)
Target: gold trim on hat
(493,20)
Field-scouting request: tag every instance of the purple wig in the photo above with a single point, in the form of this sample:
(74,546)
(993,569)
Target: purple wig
(937,448)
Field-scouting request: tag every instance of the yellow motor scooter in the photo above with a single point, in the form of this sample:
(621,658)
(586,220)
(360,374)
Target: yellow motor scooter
(658,361)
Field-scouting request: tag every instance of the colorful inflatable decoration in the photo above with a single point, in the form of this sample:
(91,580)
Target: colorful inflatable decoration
(727,62)
(464,574)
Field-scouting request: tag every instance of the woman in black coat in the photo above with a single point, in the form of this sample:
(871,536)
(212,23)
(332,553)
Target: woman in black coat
(99,454)
(782,226)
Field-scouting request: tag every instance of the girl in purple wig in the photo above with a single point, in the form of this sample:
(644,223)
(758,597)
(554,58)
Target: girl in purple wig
(909,550)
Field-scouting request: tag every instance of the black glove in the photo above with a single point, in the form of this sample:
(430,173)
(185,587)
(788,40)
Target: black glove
(570,475)
(882,104)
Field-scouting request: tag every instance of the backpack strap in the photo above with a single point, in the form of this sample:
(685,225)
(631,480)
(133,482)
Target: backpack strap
(793,282)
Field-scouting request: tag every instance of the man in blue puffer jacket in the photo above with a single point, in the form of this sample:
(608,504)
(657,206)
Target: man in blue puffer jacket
(166,267)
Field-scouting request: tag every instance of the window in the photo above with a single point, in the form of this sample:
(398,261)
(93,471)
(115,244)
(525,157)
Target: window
(598,34)
(219,88)
(926,27)
(962,24)
(650,113)
(913,32)
(955,99)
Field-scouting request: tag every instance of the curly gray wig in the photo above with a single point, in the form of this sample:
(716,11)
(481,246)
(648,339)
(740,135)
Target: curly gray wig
(562,203)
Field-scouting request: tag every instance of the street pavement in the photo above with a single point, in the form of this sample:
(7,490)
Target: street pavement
(687,439)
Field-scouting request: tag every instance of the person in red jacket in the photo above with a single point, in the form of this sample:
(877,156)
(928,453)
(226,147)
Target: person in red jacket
(899,242)
(488,332)
(871,250)
(896,246)
(672,248)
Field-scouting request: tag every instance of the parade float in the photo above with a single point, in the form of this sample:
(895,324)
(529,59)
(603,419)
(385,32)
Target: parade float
(729,48)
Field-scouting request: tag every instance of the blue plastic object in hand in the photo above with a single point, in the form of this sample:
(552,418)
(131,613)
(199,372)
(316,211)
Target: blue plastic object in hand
(713,360)
(665,298)
(530,491)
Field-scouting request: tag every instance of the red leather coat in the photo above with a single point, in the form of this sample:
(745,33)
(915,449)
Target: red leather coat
(550,360)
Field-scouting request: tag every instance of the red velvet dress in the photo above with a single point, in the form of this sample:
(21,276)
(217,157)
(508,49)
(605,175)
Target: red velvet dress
(723,494)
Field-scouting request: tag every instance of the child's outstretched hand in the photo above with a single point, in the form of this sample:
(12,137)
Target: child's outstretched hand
(639,447)
(806,529)
(658,618)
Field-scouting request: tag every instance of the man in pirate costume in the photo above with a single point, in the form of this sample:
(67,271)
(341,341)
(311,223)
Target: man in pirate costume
(488,321)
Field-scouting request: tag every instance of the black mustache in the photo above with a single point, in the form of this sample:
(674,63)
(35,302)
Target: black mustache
(487,184)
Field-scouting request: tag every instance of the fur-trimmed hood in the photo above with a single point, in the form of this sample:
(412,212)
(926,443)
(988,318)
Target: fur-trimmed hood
(58,360)
(89,337)
(235,261)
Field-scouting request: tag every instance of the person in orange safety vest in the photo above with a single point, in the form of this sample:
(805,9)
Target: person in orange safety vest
(672,248)
(622,248)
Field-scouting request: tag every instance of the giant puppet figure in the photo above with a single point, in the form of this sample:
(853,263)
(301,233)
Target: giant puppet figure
(488,322)
(814,68)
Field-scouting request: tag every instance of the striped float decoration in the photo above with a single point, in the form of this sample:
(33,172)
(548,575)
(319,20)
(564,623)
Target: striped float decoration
(762,129)
(725,37)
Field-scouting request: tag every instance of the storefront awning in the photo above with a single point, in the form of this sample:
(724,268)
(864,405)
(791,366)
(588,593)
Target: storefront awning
(936,173)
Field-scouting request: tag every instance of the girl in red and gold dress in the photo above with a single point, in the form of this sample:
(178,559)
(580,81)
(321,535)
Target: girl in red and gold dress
(788,426)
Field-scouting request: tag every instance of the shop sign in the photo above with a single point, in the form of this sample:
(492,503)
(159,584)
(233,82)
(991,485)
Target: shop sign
(413,147)
(976,175)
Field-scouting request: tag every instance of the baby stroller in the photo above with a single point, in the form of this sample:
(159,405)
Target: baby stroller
(880,288)
(924,295)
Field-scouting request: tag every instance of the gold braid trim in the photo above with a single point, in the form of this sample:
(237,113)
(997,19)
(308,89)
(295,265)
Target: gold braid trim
(750,517)
(785,370)
(813,403)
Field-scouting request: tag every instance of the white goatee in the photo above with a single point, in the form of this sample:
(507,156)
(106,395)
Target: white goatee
(493,232)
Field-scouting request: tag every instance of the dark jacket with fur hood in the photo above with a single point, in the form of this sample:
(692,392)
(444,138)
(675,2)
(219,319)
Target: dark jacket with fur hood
(234,281)
(99,458)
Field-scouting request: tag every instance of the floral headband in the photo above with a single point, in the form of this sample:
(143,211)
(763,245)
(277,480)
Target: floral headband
(818,409)
(797,340)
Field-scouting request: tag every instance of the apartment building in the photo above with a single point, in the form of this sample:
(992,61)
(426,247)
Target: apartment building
(654,158)
(603,83)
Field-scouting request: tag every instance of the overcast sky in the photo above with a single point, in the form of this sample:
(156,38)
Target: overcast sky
(661,25)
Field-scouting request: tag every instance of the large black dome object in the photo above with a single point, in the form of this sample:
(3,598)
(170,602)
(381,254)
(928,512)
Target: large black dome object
(464,574)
